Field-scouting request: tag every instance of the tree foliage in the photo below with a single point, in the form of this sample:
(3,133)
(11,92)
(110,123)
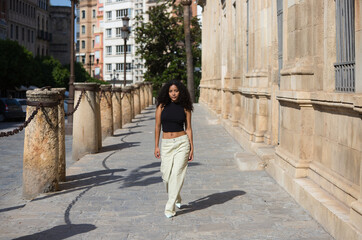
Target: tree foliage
(161,45)
(19,67)
(15,65)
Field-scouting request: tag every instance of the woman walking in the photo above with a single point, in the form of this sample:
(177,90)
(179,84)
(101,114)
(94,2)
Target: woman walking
(173,113)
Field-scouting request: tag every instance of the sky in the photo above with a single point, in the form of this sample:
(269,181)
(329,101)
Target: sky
(60,2)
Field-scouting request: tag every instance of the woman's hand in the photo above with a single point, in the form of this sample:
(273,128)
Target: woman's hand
(191,155)
(157,152)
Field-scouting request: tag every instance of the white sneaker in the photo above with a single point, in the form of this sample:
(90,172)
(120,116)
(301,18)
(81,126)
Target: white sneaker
(178,205)
(168,215)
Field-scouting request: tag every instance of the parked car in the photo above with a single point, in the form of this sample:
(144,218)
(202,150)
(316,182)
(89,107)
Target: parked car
(23,104)
(10,109)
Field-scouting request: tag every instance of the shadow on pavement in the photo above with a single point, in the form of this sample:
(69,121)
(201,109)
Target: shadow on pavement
(136,177)
(90,181)
(11,208)
(125,134)
(210,200)
(93,174)
(119,146)
(60,232)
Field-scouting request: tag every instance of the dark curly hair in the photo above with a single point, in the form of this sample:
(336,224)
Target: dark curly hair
(184,98)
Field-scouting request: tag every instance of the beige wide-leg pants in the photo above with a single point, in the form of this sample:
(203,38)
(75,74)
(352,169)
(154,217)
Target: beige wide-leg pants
(174,155)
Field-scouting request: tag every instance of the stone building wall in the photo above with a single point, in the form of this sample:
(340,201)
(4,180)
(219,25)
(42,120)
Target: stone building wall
(269,74)
(60,25)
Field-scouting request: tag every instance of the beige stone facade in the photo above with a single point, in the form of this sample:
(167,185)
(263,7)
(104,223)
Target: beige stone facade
(269,74)
(87,21)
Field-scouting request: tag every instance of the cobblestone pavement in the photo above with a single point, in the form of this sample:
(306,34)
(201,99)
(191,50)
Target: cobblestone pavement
(118,194)
(11,158)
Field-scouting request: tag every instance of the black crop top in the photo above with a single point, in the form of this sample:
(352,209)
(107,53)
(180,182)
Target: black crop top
(173,118)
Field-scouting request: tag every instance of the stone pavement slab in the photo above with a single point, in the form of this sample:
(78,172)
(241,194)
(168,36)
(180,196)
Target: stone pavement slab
(118,194)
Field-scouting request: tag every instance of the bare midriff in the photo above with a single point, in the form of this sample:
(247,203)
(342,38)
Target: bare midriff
(170,135)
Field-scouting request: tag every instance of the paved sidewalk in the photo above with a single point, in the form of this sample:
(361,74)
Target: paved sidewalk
(119,194)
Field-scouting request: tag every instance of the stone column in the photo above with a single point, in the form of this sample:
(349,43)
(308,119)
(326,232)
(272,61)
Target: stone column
(150,94)
(136,100)
(126,105)
(61,134)
(145,94)
(98,113)
(41,145)
(261,118)
(106,111)
(133,113)
(142,96)
(117,107)
(356,207)
(86,121)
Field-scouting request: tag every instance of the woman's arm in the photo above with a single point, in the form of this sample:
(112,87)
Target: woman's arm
(189,134)
(158,131)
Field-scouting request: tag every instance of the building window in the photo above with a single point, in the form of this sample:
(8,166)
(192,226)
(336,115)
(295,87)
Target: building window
(32,36)
(118,67)
(83,29)
(28,35)
(97,71)
(109,32)
(83,59)
(16,32)
(11,31)
(128,67)
(97,54)
(22,34)
(118,32)
(83,14)
(83,44)
(109,67)
(109,15)
(118,50)
(97,39)
(345,31)
(94,13)
(108,50)
(93,28)
(118,14)
(92,43)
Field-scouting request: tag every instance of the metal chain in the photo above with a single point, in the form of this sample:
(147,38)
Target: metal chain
(24,125)
(77,105)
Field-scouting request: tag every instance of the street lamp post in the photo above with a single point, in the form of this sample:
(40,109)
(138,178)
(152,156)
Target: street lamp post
(90,65)
(125,34)
(114,77)
(72,76)
(190,67)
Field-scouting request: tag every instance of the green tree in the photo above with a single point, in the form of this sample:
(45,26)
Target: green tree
(15,65)
(161,45)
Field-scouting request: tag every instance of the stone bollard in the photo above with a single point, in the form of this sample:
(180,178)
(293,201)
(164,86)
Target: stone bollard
(136,100)
(41,144)
(133,114)
(117,107)
(126,105)
(149,93)
(142,96)
(85,121)
(106,111)
(61,134)
(99,125)
(150,96)
(146,94)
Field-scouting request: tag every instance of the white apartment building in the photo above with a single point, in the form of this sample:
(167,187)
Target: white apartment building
(113,52)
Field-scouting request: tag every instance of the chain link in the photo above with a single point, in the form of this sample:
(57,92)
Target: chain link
(77,105)
(24,125)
